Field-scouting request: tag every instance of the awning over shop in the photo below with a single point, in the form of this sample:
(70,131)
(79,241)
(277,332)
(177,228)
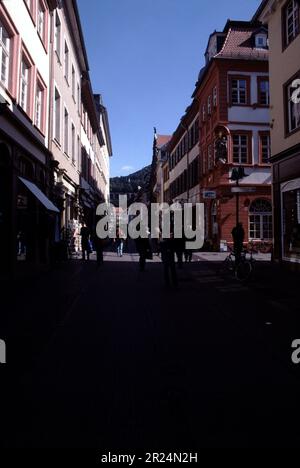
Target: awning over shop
(39,195)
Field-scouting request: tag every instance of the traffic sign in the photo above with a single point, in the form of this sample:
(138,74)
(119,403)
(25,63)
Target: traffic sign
(243,189)
(209,194)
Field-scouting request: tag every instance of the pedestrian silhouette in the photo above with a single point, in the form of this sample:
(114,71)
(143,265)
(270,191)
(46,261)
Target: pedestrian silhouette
(144,250)
(238,235)
(85,242)
(120,242)
(99,247)
(167,247)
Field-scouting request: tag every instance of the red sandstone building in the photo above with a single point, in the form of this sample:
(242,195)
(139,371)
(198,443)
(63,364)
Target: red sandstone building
(227,127)
(233,97)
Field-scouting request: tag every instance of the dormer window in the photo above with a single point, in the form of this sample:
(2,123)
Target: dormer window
(261,41)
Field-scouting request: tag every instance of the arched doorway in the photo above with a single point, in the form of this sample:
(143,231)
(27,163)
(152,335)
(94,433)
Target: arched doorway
(260,220)
(5,207)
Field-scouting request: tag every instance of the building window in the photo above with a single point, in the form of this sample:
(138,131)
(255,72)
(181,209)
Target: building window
(24,85)
(73,84)
(210,158)
(204,162)
(31,8)
(66,132)
(57,115)
(291,21)
(78,151)
(261,41)
(29,4)
(4,55)
(240,149)
(263,91)
(260,220)
(89,169)
(39,105)
(196,131)
(240,88)
(57,34)
(73,144)
(41,20)
(203,114)
(209,105)
(66,62)
(215,96)
(78,99)
(292,105)
(265,148)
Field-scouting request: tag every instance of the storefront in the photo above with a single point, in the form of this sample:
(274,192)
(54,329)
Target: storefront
(27,215)
(286,193)
(290,206)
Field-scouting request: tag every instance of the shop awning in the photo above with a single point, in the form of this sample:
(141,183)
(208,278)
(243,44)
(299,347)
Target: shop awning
(39,195)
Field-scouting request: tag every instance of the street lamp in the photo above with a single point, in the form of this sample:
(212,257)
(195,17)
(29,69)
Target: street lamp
(238,173)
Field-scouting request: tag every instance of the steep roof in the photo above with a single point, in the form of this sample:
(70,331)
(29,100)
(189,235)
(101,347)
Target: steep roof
(239,44)
(260,10)
(162,140)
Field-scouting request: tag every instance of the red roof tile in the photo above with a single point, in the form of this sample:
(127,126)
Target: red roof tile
(239,45)
(162,140)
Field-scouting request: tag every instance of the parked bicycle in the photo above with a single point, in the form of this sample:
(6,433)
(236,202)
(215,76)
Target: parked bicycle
(241,269)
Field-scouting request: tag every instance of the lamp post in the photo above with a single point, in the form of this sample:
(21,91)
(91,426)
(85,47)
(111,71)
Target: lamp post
(238,173)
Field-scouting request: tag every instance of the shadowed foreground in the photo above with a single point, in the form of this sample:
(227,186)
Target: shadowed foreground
(110,359)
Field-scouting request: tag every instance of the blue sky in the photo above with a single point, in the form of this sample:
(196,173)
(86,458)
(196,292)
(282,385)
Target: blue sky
(144,58)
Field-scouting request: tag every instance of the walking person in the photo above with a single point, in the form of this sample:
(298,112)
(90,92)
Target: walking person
(188,255)
(99,247)
(120,242)
(168,258)
(144,250)
(85,242)
(179,250)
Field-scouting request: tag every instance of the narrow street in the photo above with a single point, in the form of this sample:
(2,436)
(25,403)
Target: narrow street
(108,358)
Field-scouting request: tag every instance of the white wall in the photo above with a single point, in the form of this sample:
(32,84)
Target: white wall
(65,90)
(247,113)
(27,31)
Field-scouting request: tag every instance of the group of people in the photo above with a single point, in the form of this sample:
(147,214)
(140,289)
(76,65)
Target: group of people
(169,249)
(88,245)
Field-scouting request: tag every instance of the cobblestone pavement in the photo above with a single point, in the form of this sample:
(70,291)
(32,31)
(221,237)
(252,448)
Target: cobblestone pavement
(109,358)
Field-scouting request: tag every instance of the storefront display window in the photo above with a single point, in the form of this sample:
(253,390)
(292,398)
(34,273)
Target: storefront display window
(291,220)
(260,220)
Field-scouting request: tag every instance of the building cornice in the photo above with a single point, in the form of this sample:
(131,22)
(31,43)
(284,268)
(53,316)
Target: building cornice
(52,4)
(186,120)
(101,109)
(107,130)
(34,138)
(266,9)
(290,152)
(87,97)
(72,14)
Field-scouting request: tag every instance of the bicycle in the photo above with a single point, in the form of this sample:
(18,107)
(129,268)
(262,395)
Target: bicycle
(243,269)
